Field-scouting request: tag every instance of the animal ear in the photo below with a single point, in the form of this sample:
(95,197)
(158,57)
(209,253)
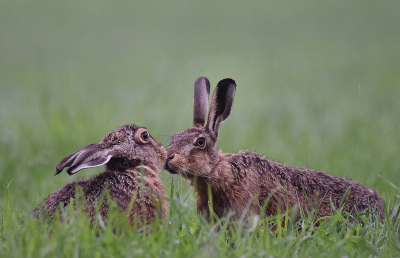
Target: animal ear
(200,100)
(93,155)
(221,105)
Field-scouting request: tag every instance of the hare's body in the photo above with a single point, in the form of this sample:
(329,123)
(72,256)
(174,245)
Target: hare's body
(132,166)
(244,181)
(121,187)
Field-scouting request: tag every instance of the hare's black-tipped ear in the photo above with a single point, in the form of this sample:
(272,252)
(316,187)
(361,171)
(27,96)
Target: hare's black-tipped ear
(200,100)
(221,105)
(93,155)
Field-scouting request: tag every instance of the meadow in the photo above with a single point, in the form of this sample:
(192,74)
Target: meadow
(318,86)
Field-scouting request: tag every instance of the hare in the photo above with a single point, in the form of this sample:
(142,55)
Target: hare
(130,155)
(242,182)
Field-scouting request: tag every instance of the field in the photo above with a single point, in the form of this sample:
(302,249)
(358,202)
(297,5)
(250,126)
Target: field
(318,87)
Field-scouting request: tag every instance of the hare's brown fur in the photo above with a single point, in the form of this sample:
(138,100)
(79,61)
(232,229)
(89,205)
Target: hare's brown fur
(132,170)
(242,182)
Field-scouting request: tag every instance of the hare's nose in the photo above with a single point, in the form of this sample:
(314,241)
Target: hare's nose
(168,167)
(171,157)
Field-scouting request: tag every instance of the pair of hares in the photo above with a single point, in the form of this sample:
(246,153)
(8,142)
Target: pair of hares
(241,182)
(245,181)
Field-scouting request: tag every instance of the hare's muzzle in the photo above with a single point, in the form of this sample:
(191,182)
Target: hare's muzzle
(168,167)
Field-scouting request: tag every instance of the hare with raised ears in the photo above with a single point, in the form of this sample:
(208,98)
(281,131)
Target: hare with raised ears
(241,182)
(130,155)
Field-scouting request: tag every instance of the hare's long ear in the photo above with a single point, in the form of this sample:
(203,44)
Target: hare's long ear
(200,100)
(221,105)
(93,155)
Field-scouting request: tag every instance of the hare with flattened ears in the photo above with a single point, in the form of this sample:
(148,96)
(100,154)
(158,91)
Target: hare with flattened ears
(130,155)
(242,182)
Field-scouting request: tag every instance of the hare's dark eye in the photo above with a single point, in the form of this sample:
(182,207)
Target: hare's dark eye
(201,142)
(145,136)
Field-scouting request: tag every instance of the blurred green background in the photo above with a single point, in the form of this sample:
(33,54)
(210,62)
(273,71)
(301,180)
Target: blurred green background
(318,83)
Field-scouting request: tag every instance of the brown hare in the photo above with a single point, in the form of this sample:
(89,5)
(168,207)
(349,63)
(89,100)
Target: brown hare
(242,182)
(132,160)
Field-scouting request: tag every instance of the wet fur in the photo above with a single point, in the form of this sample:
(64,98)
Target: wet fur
(242,182)
(122,178)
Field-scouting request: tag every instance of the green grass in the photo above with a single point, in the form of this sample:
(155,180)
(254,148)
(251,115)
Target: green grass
(318,87)
(184,234)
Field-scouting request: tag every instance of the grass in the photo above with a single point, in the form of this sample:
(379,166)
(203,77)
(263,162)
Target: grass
(318,87)
(185,234)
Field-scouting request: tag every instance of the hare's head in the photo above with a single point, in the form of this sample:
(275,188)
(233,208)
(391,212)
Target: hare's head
(126,146)
(193,153)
